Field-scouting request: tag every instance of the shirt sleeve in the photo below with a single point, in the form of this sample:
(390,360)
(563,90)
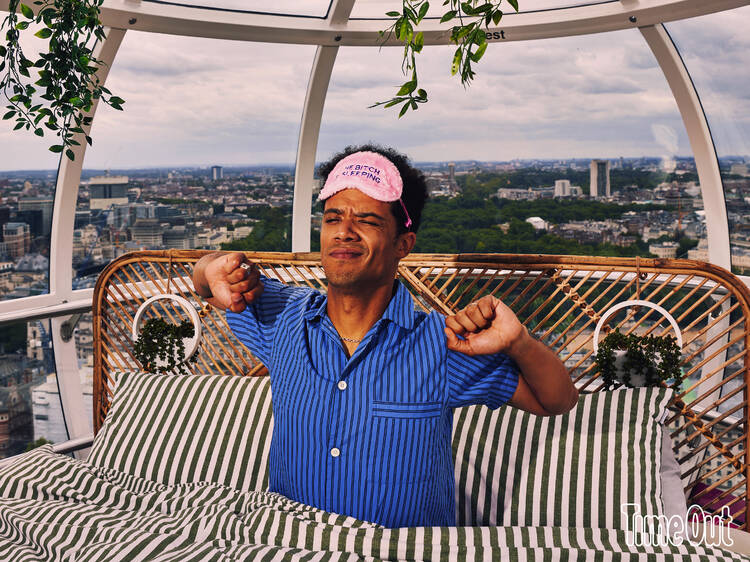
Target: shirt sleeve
(480,379)
(255,326)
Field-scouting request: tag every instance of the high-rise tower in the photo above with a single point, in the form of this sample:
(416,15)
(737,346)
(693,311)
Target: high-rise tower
(600,178)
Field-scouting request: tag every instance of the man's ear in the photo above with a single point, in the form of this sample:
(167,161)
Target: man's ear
(405,244)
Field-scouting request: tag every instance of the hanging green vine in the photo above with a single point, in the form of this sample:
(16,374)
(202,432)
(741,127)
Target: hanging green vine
(471,19)
(64,83)
(161,340)
(640,359)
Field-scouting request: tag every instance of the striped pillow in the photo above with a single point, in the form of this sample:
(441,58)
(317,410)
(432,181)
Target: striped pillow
(188,428)
(571,470)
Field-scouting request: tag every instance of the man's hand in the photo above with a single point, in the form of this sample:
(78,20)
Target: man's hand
(232,281)
(487,326)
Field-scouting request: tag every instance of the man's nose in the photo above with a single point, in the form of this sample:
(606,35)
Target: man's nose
(346,230)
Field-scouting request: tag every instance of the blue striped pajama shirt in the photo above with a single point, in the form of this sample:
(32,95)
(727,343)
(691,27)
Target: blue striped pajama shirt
(368,436)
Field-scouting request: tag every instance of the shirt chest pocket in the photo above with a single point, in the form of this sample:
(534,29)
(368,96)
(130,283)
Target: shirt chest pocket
(404,440)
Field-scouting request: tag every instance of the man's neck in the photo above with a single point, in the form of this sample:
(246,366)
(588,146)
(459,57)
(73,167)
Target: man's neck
(353,314)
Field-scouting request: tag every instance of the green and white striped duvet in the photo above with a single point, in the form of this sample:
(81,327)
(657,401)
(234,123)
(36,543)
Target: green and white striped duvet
(55,508)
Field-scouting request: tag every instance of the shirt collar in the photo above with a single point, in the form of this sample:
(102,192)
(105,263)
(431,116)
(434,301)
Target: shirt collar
(400,310)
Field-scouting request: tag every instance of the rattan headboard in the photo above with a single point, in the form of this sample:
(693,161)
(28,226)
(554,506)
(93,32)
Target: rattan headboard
(559,298)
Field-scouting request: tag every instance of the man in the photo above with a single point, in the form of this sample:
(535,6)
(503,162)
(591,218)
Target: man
(363,385)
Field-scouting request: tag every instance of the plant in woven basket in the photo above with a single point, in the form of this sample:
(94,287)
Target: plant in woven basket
(160,346)
(639,360)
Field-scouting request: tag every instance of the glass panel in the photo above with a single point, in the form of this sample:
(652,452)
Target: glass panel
(28,174)
(716,51)
(509,161)
(316,8)
(376,9)
(30,410)
(206,142)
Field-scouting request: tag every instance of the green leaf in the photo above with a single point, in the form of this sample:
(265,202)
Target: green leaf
(407,88)
(456,64)
(88,140)
(496,17)
(18,125)
(393,14)
(76,101)
(404,109)
(69,154)
(423,11)
(39,132)
(9,115)
(514,3)
(479,52)
(448,16)
(27,12)
(418,41)
(3,51)
(56,148)
(422,94)
(43,33)
(22,25)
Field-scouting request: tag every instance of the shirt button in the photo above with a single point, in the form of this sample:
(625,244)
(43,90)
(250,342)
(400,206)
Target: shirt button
(335,452)
(342,385)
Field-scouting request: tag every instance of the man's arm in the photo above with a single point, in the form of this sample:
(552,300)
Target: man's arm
(225,283)
(488,326)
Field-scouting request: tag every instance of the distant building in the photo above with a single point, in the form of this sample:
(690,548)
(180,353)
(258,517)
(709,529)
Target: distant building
(4,219)
(35,219)
(16,239)
(38,204)
(562,188)
(599,182)
(664,250)
(739,169)
(217,173)
(105,191)
(179,238)
(537,222)
(33,263)
(147,232)
(45,403)
(452,173)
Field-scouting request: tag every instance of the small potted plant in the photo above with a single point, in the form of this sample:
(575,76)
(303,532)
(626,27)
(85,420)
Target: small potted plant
(639,360)
(160,346)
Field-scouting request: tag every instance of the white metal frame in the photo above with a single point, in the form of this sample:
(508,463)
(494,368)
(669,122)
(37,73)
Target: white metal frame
(701,142)
(328,34)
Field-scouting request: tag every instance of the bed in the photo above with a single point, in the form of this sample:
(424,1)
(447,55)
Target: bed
(179,466)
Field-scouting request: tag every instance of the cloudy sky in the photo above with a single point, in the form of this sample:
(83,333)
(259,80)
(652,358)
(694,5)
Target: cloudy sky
(202,102)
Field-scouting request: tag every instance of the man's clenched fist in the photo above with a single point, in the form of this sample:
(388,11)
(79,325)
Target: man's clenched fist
(228,281)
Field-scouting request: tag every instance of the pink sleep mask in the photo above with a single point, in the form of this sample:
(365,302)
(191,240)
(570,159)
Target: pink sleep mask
(369,172)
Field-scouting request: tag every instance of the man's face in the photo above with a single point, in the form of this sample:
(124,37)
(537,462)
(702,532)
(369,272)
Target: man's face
(359,244)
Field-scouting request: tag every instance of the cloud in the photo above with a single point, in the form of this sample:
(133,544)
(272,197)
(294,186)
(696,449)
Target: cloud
(196,101)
